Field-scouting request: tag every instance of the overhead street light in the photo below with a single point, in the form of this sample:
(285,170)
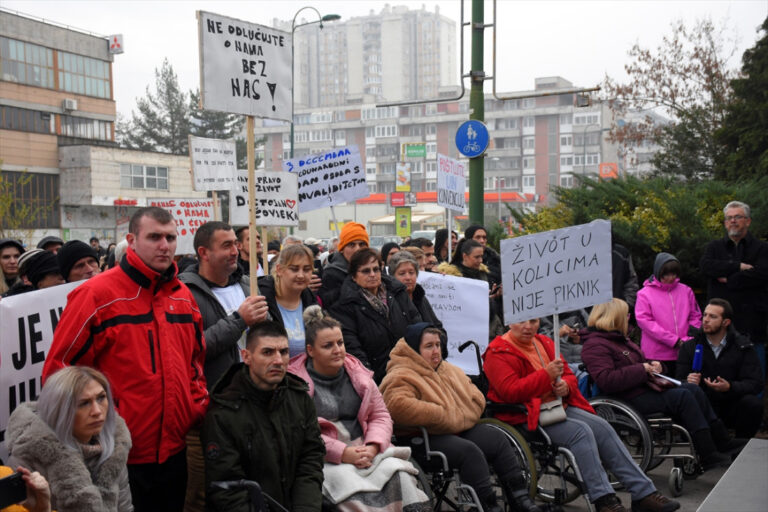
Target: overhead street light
(294,26)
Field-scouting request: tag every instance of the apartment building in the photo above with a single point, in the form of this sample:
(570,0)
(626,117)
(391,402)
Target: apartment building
(397,54)
(536,143)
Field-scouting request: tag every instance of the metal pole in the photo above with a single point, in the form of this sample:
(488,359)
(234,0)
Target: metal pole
(477,108)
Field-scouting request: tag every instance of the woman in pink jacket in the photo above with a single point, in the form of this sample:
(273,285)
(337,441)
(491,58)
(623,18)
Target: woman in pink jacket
(354,421)
(665,310)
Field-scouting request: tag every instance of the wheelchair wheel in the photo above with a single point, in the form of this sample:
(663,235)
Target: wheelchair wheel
(523,452)
(424,484)
(675,481)
(631,426)
(558,481)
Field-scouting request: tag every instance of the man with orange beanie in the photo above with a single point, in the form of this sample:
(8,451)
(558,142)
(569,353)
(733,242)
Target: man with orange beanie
(352,238)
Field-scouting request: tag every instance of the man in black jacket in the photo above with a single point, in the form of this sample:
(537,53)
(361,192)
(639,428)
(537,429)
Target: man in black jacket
(262,426)
(730,374)
(223,295)
(737,268)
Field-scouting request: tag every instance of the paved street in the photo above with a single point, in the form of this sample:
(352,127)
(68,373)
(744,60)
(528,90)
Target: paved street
(694,491)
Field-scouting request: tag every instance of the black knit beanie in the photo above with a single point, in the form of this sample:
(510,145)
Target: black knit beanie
(71,252)
(40,265)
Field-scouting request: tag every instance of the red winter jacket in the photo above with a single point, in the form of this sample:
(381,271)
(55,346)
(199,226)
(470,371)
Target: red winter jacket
(513,380)
(144,331)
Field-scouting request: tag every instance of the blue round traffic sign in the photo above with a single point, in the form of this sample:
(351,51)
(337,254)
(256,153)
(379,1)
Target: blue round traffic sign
(472,138)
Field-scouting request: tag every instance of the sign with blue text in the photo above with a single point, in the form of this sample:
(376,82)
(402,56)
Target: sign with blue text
(326,179)
(472,138)
(461,304)
(556,271)
(244,68)
(451,182)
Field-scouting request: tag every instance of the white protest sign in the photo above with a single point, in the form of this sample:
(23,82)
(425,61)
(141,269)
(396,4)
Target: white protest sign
(462,305)
(244,68)
(28,322)
(451,182)
(189,214)
(329,178)
(214,163)
(556,271)
(276,202)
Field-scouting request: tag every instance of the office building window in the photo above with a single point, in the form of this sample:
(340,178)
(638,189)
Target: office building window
(86,128)
(143,177)
(586,119)
(83,75)
(566,140)
(39,193)
(566,181)
(566,118)
(566,160)
(22,119)
(529,102)
(529,143)
(529,122)
(529,181)
(26,63)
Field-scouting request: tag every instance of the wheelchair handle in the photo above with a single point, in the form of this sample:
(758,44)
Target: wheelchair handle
(465,345)
(254,490)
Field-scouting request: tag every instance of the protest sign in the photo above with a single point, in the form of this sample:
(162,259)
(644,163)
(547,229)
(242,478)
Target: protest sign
(276,203)
(461,304)
(189,214)
(330,178)
(244,68)
(28,322)
(451,182)
(556,271)
(214,163)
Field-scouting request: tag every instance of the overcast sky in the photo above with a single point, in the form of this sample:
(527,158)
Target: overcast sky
(578,40)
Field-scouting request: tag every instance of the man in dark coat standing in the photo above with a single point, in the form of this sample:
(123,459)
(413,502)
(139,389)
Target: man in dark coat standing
(737,269)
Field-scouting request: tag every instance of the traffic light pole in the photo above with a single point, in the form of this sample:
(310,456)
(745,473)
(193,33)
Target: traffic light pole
(477,112)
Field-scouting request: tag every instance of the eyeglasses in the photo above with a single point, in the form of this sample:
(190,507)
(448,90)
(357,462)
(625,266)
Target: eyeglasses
(735,218)
(372,270)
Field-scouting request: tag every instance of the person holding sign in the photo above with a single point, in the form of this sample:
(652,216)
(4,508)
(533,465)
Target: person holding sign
(74,437)
(467,262)
(141,327)
(374,311)
(620,368)
(521,368)
(287,292)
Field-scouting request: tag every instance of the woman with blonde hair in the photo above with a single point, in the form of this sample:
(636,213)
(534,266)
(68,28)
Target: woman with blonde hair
(287,292)
(74,437)
(620,368)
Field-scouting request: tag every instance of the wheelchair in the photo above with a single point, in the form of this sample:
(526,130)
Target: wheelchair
(550,469)
(649,439)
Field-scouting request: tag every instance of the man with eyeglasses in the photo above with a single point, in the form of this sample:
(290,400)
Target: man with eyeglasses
(737,269)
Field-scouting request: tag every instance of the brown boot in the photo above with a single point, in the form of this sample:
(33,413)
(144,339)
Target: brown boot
(609,503)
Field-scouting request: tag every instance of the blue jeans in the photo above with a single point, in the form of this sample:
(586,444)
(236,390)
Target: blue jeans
(594,443)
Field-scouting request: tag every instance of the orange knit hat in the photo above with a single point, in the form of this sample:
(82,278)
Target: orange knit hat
(350,232)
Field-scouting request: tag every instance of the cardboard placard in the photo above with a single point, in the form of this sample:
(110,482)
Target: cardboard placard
(189,214)
(214,163)
(276,199)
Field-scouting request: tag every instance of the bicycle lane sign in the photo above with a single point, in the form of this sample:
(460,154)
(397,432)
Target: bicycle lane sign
(472,138)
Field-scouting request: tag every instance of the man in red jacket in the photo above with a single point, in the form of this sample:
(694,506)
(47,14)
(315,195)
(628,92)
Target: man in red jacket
(140,326)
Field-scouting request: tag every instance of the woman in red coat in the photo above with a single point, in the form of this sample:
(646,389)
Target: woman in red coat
(521,368)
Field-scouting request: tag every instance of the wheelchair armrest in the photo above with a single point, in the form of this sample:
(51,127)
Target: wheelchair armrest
(496,407)
(424,436)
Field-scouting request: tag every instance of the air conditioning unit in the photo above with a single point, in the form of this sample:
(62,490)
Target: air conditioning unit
(69,104)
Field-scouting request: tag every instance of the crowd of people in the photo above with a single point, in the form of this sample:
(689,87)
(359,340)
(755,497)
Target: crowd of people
(168,379)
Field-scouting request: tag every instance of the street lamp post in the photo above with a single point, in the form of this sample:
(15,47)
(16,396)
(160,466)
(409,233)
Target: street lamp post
(294,26)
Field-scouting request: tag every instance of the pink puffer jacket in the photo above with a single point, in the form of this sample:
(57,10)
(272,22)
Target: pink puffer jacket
(664,311)
(373,416)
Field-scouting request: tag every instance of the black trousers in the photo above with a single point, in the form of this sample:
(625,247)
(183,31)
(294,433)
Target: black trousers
(743,415)
(687,404)
(156,487)
(471,451)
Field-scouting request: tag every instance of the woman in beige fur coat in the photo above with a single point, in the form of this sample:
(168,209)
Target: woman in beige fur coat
(420,389)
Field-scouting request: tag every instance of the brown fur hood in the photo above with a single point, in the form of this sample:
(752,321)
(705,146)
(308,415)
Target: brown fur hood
(453,270)
(444,400)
